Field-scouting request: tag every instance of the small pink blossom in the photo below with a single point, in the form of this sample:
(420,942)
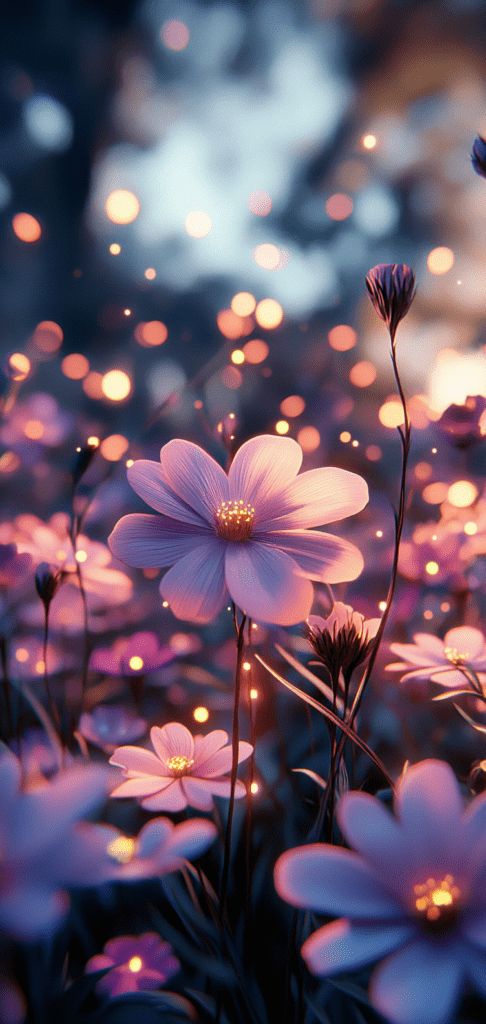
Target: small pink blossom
(132,656)
(159,849)
(108,725)
(437,659)
(248,536)
(185,770)
(139,963)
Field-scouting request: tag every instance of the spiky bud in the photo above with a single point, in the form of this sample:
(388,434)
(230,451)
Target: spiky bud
(391,287)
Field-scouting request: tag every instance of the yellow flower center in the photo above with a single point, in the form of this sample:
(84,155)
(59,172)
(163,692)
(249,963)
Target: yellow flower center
(234,520)
(179,765)
(122,849)
(437,903)
(452,655)
(135,964)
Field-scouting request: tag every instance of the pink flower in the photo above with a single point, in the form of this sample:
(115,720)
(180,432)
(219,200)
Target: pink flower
(139,963)
(184,770)
(247,536)
(414,893)
(159,849)
(436,659)
(130,656)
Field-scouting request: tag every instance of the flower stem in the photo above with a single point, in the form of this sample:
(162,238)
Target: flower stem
(240,647)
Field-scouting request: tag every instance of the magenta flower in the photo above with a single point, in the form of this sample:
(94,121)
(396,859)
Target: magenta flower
(414,893)
(132,656)
(160,847)
(184,770)
(246,536)
(140,963)
(441,660)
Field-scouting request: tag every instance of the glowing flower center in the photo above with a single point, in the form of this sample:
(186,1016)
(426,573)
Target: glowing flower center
(179,765)
(437,903)
(452,655)
(135,964)
(122,849)
(234,520)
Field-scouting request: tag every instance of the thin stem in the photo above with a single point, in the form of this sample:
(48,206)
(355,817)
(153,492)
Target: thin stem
(54,711)
(6,684)
(240,646)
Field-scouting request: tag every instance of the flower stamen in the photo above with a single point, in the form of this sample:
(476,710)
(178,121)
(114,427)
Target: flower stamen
(234,520)
(179,765)
(437,903)
(452,655)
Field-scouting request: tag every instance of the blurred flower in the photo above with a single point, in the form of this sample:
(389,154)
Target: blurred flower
(464,424)
(13,566)
(160,848)
(343,640)
(13,1004)
(139,963)
(184,770)
(38,759)
(132,656)
(415,889)
(33,424)
(432,555)
(47,582)
(44,846)
(107,726)
(436,659)
(391,287)
(478,156)
(247,535)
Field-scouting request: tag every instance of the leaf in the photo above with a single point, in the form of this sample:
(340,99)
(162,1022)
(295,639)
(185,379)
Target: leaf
(73,997)
(304,671)
(312,775)
(349,989)
(353,736)
(321,1016)
(470,721)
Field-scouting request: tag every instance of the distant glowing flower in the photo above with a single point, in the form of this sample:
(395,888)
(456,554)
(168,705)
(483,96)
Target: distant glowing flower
(132,655)
(184,771)
(391,288)
(478,156)
(159,849)
(465,424)
(440,660)
(247,535)
(343,640)
(139,963)
(414,893)
(13,566)
(107,726)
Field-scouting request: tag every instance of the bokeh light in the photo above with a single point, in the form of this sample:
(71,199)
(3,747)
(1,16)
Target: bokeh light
(26,227)
(115,249)
(391,414)
(237,356)
(282,427)
(75,366)
(342,337)
(48,336)
(309,439)
(175,35)
(292,406)
(17,366)
(256,351)
(269,314)
(198,224)
(122,206)
(243,303)
(369,141)
(151,334)
(435,494)
(114,447)
(462,493)
(49,123)
(362,374)
(267,256)
(259,202)
(116,385)
(440,260)
(231,378)
(200,714)
(150,273)
(339,206)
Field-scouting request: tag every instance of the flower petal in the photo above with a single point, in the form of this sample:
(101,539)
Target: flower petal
(466,640)
(171,799)
(220,762)
(429,806)
(191,838)
(138,761)
(475,964)
(206,746)
(333,881)
(319,556)
(172,740)
(419,984)
(198,793)
(372,831)
(263,583)
(345,946)
(195,477)
(261,469)
(318,497)
(150,542)
(148,481)
(422,653)
(28,912)
(144,785)
(195,586)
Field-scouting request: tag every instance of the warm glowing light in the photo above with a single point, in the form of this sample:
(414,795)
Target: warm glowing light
(423,470)
(355,444)
(362,374)
(151,334)
(243,303)
(428,614)
(232,378)
(121,849)
(432,568)
(26,227)
(93,441)
(342,338)
(339,206)
(256,351)
(345,436)
(175,35)
(246,666)
(470,528)
(113,448)
(373,452)
(165,604)
(267,256)
(198,224)
(81,556)
(435,900)
(391,414)
(135,964)
(379,533)
(369,141)
(75,366)
(122,206)
(254,787)
(230,324)
(253,694)
(129,463)
(282,427)
(309,439)
(136,663)
(127,312)
(237,356)
(48,336)
(462,494)
(115,248)
(234,520)
(445,606)
(116,385)
(9,462)
(18,366)
(435,494)
(269,314)
(292,406)
(200,714)
(259,202)
(382,606)
(34,429)
(22,654)
(440,260)
(150,273)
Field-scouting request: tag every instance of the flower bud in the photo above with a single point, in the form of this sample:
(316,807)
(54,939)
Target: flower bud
(478,156)
(391,288)
(47,580)
(82,461)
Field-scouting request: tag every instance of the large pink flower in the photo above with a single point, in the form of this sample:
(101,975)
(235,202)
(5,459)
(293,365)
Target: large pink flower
(247,535)
(185,769)
(442,660)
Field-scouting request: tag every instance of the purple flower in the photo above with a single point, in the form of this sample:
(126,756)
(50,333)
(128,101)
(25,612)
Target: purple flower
(184,770)
(140,963)
(107,726)
(132,656)
(391,288)
(247,535)
(160,848)
(13,566)
(441,660)
(478,156)
(415,893)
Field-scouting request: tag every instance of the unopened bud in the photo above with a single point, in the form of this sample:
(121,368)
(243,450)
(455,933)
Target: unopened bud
(391,288)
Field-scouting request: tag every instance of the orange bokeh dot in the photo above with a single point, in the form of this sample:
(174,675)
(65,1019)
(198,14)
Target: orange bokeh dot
(282,427)
(440,260)
(48,336)
(175,35)
(294,405)
(113,448)
(198,224)
(243,303)
(231,325)
(267,256)
(237,356)
(151,334)
(259,202)
(232,378)
(342,338)
(150,273)
(309,439)
(75,366)
(26,227)
(362,374)
(122,206)
(34,429)
(9,462)
(423,470)
(269,314)
(256,351)
(339,206)
(435,494)
(116,385)
(373,452)
(92,385)
(391,413)
(369,141)
(17,366)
